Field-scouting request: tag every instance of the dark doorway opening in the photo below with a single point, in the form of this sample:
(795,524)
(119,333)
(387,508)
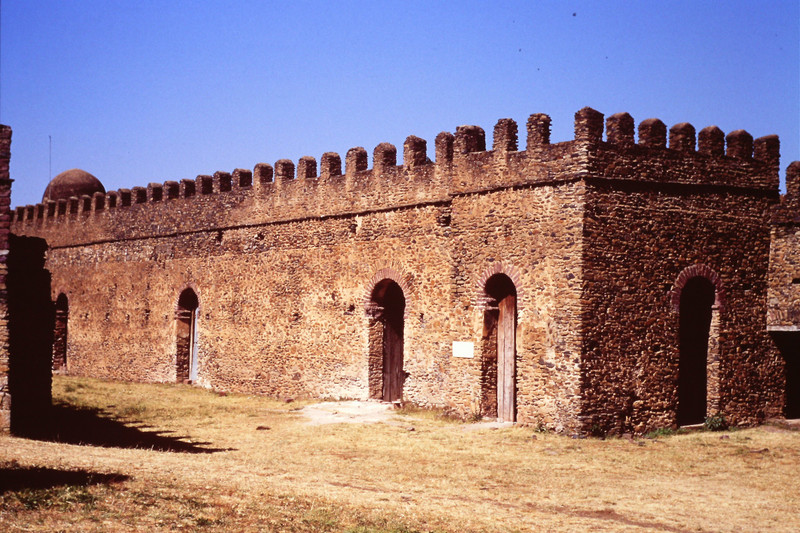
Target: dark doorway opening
(788,343)
(186,363)
(386,341)
(498,365)
(697,300)
(60,334)
(30,336)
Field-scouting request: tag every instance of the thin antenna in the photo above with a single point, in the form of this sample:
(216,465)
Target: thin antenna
(50,168)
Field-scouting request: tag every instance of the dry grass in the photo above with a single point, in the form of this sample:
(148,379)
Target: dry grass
(171,457)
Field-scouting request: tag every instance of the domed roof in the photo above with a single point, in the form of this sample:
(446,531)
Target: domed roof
(73,182)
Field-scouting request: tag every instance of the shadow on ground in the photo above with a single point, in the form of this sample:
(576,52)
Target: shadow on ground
(16,478)
(73,425)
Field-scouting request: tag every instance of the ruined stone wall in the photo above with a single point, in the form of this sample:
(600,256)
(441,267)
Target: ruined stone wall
(784,279)
(532,235)
(285,318)
(594,235)
(784,298)
(631,326)
(783,311)
(284,281)
(685,214)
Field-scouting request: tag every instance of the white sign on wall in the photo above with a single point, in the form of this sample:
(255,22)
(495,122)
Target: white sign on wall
(463,349)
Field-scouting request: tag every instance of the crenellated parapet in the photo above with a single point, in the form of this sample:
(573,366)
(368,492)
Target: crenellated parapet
(288,191)
(678,154)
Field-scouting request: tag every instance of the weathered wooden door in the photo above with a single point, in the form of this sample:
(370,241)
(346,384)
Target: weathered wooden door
(193,346)
(506,355)
(393,373)
(392,362)
(60,334)
(183,361)
(186,362)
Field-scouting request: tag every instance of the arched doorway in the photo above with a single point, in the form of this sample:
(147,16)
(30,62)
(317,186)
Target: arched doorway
(60,334)
(498,368)
(186,364)
(387,310)
(788,343)
(696,311)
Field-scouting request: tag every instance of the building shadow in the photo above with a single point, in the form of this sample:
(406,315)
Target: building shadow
(70,424)
(16,478)
(30,334)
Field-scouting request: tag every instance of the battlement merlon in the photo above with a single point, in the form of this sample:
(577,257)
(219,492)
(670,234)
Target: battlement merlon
(462,166)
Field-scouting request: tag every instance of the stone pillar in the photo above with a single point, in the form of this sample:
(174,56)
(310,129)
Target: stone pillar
(713,405)
(5,218)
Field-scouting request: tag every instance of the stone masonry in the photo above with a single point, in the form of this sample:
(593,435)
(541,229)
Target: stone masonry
(5,218)
(598,285)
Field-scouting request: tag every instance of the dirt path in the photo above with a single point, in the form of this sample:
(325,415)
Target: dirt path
(349,412)
(370,412)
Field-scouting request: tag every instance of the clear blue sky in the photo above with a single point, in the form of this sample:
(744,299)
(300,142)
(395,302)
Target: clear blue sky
(141,91)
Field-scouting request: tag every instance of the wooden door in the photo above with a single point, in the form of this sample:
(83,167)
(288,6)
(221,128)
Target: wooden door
(183,352)
(60,334)
(506,352)
(186,329)
(394,304)
(193,365)
(392,359)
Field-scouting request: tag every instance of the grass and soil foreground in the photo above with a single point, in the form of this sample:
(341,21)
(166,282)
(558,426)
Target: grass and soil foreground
(136,457)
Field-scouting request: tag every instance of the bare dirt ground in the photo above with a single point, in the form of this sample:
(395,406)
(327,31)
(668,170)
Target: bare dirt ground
(127,457)
(371,412)
(349,412)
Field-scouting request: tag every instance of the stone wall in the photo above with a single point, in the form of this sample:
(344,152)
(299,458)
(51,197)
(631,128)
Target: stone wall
(784,280)
(783,307)
(596,236)
(532,235)
(631,327)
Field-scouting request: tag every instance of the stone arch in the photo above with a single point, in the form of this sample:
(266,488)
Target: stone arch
(386,309)
(180,289)
(693,271)
(480,299)
(404,280)
(186,354)
(498,348)
(698,299)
